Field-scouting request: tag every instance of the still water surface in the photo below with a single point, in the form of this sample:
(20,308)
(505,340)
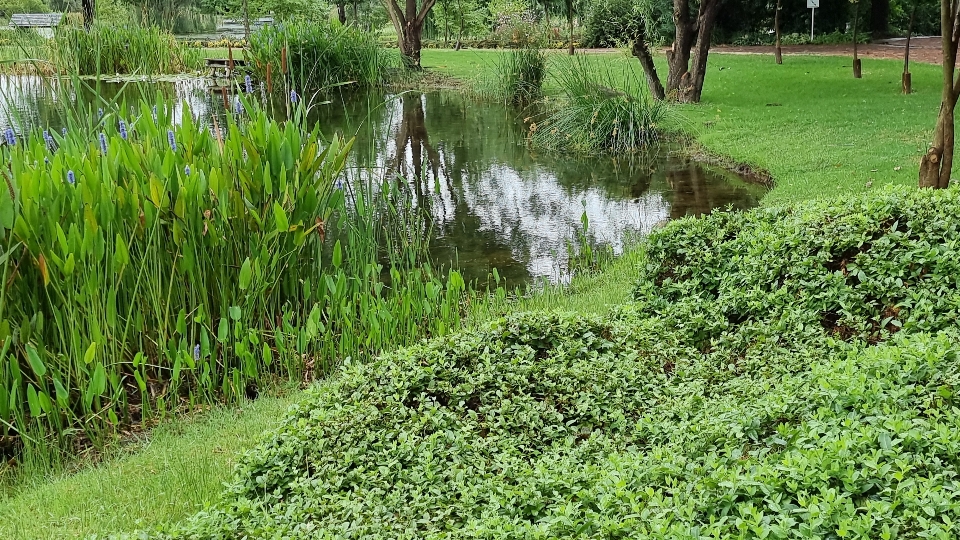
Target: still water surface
(494,202)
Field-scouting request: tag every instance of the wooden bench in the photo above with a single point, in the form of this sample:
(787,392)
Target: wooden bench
(225,66)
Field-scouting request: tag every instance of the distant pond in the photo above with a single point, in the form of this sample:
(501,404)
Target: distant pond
(494,202)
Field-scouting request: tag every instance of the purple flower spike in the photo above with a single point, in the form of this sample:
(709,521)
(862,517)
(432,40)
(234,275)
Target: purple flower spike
(338,184)
(103,143)
(99,113)
(154,113)
(249,84)
(294,98)
(71,178)
(196,352)
(172,140)
(186,170)
(64,132)
(10,137)
(238,107)
(123,130)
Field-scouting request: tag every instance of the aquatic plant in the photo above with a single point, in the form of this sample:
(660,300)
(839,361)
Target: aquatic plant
(120,50)
(597,113)
(519,75)
(316,55)
(116,266)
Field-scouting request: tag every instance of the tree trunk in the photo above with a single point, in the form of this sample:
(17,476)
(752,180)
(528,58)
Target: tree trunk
(678,55)
(409,26)
(776,27)
(937,164)
(905,82)
(692,87)
(570,24)
(857,73)
(342,13)
(642,52)
(89,12)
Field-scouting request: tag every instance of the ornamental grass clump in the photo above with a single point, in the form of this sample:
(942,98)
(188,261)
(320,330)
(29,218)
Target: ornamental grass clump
(784,373)
(108,50)
(519,75)
(150,272)
(597,113)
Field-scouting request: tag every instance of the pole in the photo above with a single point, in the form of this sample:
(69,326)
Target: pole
(812,11)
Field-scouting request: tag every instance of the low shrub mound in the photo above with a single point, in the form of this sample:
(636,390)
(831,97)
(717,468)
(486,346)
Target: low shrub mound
(726,402)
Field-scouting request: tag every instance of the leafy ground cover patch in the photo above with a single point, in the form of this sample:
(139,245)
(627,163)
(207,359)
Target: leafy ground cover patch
(724,402)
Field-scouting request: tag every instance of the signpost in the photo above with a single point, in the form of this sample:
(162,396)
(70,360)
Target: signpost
(813,5)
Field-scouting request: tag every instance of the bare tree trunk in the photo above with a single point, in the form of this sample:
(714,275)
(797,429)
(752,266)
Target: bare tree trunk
(570,24)
(692,88)
(678,55)
(937,164)
(905,82)
(246,20)
(409,26)
(89,11)
(857,72)
(342,13)
(776,27)
(642,52)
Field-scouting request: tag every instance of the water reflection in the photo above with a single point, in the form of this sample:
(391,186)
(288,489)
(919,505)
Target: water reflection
(492,201)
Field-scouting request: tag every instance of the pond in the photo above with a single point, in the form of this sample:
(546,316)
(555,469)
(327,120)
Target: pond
(493,202)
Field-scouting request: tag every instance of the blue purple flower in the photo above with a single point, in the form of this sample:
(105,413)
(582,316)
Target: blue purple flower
(172,140)
(103,143)
(154,113)
(248,83)
(99,113)
(71,178)
(237,106)
(186,170)
(64,132)
(10,137)
(196,352)
(294,98)
(123,130)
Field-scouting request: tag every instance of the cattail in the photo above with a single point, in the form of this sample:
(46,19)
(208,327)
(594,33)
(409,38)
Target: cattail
(103,143)
(249,84)
(71,178)
(283,60)
(123,130)
(10,137)
(172,140)
(270,78)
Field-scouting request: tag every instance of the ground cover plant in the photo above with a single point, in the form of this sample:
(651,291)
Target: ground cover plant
(151,265)
(781,373)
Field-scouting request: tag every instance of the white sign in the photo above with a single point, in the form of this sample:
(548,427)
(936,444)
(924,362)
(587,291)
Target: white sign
(811,4)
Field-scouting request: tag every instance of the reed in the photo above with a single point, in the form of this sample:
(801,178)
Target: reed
(595,112)
(148,266)
(121,50)
(519,75)
(317,55)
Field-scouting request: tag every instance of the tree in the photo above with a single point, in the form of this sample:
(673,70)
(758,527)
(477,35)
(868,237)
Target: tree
(89,9)
(937,163)
(905,80)
(778,54)
(684,84)
(408,23)
(857,72)
(568,7)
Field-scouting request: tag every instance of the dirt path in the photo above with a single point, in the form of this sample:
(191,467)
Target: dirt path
(922,49)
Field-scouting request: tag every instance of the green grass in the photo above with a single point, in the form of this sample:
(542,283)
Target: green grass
(177,470)
(815,128)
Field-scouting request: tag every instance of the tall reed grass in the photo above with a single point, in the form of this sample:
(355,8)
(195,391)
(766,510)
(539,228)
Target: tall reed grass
(148,265)
(599,111)
(108,50)
(519,75)
(316,55)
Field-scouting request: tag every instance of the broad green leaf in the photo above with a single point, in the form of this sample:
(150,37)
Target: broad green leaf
(245,274)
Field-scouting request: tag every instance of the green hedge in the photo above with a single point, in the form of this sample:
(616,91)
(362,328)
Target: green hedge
(721,404)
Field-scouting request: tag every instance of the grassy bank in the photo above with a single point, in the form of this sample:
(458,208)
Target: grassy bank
(181,467)
(817,130)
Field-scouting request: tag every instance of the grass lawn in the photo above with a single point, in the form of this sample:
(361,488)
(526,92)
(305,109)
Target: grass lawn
(183,466)
(815,128)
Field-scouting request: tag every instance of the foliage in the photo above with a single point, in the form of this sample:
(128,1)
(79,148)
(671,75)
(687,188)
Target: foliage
(615,23)
(667,416)
(448,15)
(596,114)
(9,7)
(121,50)
(316,55)
(152,265)
(281,9)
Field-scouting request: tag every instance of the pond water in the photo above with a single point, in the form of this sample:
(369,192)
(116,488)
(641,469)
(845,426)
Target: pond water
(493,201)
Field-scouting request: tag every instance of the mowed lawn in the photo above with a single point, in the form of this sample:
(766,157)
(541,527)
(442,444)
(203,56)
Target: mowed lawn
(808,122)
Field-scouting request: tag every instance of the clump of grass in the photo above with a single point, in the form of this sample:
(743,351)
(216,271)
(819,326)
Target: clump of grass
(316,55)
(596,114)
(519,75)
(121,50)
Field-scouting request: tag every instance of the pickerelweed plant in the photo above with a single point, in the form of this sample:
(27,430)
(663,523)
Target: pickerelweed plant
(149,264)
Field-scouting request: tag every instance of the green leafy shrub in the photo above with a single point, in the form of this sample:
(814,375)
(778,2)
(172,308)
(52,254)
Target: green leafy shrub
(665,419)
